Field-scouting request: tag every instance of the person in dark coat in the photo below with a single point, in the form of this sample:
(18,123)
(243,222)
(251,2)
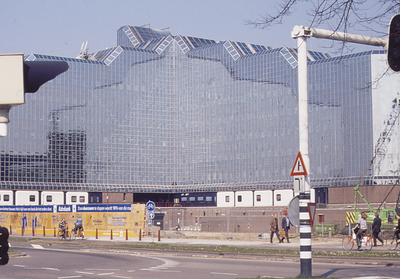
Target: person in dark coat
(274,229)
(376,228)
(286,225)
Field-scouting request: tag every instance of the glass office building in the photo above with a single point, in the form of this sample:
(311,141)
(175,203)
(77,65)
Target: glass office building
(160,112)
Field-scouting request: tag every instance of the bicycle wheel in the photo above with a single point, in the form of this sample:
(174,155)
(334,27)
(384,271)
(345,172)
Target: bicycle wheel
(347,243)
(391,242)
(59,235)
(366,243)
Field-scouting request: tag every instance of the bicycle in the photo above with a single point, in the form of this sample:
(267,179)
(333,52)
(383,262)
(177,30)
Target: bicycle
(349,242)
(392,242)
(63,235)
(74,234)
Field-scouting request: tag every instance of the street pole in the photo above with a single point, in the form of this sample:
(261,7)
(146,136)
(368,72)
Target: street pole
(304,196)
(301,33)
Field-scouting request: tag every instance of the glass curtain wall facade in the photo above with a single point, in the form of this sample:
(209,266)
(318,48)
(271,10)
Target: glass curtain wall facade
(160,112)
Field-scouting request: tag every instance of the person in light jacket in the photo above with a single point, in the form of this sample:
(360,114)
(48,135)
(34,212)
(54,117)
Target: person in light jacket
(362,228)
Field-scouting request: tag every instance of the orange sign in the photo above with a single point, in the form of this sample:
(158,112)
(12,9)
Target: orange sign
(299,168)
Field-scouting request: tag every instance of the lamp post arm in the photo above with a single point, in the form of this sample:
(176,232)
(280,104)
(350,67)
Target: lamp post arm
(301,31)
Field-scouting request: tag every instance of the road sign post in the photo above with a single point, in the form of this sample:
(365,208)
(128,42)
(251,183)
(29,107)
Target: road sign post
(151,217)
(150,206)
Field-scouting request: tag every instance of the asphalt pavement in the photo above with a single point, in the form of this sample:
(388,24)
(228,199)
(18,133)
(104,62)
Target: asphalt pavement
(210,239)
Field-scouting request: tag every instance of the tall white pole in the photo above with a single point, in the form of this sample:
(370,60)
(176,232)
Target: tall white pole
(301,33)
(304,197)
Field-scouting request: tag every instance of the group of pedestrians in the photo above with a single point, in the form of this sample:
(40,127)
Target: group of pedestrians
(359,229)
(274,228)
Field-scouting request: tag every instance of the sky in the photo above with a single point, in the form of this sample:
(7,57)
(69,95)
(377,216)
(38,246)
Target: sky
(59,27)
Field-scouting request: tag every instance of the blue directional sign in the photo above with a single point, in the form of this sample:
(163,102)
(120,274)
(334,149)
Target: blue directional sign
(151,215)
(150,205)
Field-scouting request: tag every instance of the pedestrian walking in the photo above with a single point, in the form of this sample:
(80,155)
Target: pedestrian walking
(286,225)
(274,227)
(376,228)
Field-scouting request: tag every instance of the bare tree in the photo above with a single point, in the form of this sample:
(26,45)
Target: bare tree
(339,15)
(348,16)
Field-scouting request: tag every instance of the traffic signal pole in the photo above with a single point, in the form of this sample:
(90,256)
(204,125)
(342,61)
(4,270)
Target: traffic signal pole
(301,34)
(304,195)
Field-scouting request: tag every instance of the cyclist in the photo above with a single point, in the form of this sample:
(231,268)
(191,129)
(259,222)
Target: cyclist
(62,226)
(397,229)
(78,224)
(362,226)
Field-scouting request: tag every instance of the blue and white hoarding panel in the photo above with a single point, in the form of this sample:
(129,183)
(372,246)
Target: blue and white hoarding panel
(64,208)
(67,208)
(104,208)
(27,208)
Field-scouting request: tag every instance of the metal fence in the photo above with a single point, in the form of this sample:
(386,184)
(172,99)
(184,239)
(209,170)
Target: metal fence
(231,222)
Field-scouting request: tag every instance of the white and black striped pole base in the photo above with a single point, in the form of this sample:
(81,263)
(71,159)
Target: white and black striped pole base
(305,236)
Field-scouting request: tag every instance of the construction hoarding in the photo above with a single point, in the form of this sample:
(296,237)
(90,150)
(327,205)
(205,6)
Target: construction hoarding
(96,217)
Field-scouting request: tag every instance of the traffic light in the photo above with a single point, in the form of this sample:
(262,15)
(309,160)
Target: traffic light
(18,77)
(393,52)
(3,246)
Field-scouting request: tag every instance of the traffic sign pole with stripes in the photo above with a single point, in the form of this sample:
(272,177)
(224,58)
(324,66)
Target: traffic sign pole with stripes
(302,164)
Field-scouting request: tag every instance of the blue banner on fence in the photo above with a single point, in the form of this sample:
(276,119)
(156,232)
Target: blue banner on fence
(26,208)
(104,208)
(64,208)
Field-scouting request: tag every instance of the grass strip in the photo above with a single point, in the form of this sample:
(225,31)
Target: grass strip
(222,249)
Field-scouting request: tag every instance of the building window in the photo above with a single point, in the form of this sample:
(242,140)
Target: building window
(184,199)
(31,198)
(278,197)
(258,198)
(73,198)
(82,199)
(239,198)
(49,198)
(208,199)
(6,198)
(200,199)
(226,198)
(192,199)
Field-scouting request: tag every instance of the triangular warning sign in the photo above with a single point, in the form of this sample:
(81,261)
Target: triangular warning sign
(312,206)
(299,168)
